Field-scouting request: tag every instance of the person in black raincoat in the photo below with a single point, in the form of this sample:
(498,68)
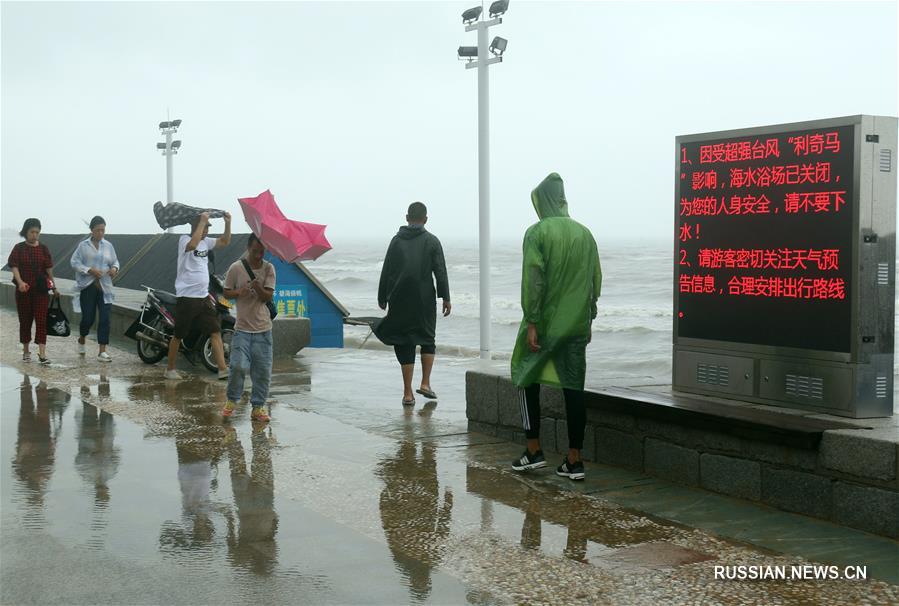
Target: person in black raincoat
(561,280)
(414,260)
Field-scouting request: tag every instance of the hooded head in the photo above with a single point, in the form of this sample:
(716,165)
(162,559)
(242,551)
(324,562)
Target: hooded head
(548,198)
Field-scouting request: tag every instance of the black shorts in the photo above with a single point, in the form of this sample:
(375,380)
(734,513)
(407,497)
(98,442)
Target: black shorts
(195,313)
(405,354)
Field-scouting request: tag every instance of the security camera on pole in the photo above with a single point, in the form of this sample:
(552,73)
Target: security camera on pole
(477,57)
(169,149)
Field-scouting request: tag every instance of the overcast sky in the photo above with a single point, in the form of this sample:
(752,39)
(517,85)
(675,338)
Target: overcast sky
(350,111)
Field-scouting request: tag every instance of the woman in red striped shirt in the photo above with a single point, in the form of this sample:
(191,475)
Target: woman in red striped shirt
(32,268)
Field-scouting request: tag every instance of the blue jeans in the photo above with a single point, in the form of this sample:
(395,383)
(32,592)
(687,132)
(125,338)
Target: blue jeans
(91,301)
(251,351)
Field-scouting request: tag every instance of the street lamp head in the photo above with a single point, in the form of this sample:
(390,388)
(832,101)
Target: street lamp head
(471,15)
(176,123)
(176,144)
(164,125)
(499,8)
(468,52)
(160,146)
(498,46)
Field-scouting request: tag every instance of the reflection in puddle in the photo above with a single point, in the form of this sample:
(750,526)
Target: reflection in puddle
(40,422)
(415,519)
(592,526)
(251,541)
(97,462)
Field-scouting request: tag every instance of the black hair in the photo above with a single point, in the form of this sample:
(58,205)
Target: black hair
(253,238)
(29,225)
(98,220)
(417,212)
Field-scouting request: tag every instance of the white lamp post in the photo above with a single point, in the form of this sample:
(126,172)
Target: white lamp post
(169,149)
(478,57)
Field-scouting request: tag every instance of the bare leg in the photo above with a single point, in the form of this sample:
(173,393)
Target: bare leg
(533,445)
(42,350)
(407,380)
(102,348)
(218,350)
(427,363)
(174,344)
(574,455)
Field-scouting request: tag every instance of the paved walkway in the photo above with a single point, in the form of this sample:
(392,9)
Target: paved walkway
(119,487)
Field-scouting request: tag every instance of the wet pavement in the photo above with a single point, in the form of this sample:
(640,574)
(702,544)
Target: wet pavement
(121,488)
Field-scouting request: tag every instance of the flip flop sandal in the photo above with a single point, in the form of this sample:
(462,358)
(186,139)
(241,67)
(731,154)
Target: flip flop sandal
(428,393)
(409,402)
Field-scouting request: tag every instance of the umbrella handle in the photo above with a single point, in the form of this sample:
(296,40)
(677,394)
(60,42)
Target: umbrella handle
(365,340)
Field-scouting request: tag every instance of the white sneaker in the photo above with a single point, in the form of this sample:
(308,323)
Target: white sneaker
(224,374)
(104,357)
(172,374)
(82,348)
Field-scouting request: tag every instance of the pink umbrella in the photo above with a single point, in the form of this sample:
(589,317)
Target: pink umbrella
(289,240)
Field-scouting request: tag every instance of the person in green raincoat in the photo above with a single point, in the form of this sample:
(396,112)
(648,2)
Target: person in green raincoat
(560,283)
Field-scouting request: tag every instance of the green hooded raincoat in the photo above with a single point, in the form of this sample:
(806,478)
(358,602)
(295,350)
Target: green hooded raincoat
(560,283)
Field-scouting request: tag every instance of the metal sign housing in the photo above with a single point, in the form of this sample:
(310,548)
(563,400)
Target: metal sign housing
(784,275)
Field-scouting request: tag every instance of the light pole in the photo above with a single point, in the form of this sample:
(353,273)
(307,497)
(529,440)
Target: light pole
(478,57)
(169,149)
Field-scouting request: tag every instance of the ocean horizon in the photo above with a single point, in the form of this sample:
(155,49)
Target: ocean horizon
(632,334)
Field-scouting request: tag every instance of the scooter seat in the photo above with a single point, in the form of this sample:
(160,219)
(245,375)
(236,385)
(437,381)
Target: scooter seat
(166,297)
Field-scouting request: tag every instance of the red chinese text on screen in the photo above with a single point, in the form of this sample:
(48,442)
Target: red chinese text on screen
(738,151)
(793,202)
(817,143)
(827,259)
(786,174)
(768,287)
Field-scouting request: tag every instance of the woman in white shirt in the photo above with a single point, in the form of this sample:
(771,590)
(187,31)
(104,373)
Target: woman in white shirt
(95,264)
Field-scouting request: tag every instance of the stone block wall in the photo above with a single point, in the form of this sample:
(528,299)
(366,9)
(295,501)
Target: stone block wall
(851,478)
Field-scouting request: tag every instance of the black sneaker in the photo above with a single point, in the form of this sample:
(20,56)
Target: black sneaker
(573,471)
(529,461)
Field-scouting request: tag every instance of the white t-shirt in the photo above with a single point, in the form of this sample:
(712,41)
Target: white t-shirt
(193,268)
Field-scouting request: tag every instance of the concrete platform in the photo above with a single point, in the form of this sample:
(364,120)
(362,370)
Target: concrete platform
(131,489)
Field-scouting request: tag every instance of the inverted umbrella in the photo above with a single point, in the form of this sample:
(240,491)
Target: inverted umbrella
(289,240)
(175,213)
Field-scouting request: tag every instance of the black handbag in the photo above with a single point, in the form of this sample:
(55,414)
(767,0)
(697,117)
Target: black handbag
(57,322)
(272,310)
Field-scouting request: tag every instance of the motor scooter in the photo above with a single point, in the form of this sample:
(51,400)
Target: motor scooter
(155,326)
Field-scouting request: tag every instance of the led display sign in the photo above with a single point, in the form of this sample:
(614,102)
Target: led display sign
(764,236)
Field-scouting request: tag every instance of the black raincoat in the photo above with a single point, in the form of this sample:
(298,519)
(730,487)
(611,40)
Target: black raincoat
(407,288)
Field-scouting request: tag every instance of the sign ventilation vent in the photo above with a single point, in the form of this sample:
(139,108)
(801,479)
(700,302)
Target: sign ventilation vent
(886,160)
(880,387)
(800,386)
(712,374)
(883,274)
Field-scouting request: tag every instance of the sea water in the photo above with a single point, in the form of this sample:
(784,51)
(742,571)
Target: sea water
(631,334)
